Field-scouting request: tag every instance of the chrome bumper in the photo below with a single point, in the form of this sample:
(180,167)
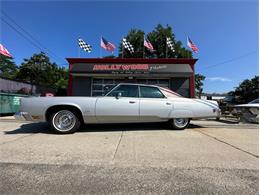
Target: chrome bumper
(22,116)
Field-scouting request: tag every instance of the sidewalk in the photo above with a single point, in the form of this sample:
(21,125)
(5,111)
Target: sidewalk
(7,118)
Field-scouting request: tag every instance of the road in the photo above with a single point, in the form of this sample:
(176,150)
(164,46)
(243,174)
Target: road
(209,157)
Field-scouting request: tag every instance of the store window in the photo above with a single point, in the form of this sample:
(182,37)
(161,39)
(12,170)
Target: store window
(158,82)
(100,87)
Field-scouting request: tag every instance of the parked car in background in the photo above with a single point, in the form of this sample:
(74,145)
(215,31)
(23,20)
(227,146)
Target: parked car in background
(248,112)
(125,103)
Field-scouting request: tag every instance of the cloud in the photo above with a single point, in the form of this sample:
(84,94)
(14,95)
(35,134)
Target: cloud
(222,79)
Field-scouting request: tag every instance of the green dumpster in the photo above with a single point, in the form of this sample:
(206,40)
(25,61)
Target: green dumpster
(10,103)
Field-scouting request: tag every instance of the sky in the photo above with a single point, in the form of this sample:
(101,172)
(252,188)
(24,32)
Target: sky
(226,32)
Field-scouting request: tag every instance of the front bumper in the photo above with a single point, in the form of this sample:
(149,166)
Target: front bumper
(22,116)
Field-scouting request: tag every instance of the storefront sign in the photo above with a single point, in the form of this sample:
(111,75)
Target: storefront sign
(119,67)
(131,68)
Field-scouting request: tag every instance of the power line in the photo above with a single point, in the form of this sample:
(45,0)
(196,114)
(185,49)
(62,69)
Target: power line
(230,60)
(21,34)
(39,46)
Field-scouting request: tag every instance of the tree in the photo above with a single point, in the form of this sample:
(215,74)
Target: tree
(40,71)
(158,39)
(136,38)
(248,90)
(8,68)
(199,78)
(63,75)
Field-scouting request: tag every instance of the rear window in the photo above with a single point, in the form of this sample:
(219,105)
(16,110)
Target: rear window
(169,93)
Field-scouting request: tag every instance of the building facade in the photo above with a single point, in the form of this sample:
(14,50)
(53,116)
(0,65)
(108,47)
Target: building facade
(95,76)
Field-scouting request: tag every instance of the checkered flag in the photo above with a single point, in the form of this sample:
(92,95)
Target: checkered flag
(170,44)
(127,45)
(83,45)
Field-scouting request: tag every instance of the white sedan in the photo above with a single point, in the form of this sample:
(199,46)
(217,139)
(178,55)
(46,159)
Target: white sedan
(125,103)
(247,112)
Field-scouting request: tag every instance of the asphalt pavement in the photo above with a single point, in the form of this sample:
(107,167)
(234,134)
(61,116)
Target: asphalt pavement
(208,158)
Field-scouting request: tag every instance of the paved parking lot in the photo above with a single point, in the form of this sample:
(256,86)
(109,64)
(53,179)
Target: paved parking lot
(209,157)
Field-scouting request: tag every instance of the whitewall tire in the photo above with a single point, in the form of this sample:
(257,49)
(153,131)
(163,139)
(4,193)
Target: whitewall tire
(64,121)
(179,123)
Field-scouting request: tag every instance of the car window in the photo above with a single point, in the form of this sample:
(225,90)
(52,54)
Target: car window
(150,92)
(125,90)
(169,93)
(256,101)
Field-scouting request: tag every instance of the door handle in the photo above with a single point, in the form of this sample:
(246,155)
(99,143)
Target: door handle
(167,103)
(131,102)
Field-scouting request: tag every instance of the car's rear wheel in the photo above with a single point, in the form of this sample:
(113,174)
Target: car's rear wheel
(179,123)
(64,121)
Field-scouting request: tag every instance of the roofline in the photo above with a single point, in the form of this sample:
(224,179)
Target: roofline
(144,85)
(190,61)
(140,84)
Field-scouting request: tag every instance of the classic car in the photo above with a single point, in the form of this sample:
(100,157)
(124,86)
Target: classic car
(247,112)
(125,103)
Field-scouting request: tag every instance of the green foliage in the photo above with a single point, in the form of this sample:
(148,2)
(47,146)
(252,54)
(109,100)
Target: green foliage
(158,39)
(199,78)
(136,38)
(40,71)
(248,90)
(8,68)
(61,83)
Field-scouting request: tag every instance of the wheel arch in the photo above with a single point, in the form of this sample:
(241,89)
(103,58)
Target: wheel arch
(181,113)
(73,108)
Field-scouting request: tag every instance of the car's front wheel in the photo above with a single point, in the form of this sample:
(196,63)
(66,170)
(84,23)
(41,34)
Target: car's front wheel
(64,121)
(179,123)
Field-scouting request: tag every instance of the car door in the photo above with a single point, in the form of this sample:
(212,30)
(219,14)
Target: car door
(120,105)
(154,106)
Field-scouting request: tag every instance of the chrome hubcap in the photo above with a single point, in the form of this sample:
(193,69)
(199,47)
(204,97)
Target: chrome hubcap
(180,122)
(64,120)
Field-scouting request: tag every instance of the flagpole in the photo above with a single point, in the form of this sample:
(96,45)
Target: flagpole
(188,46)
(143,47)
(122,49)
(100,51)
(78,50)
(166,50)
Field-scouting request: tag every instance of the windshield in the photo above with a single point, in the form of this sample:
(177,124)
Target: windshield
(108,90)
(169,93)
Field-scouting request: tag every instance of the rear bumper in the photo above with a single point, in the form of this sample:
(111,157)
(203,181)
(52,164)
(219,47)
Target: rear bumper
(22,116)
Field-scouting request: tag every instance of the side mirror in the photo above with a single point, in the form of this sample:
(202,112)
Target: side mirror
(118,94)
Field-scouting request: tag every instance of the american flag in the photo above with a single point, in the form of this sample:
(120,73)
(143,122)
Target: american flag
(4,51)
(148,45)
(107,45)
(192,45)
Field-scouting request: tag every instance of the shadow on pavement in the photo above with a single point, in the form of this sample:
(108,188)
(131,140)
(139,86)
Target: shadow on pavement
(226,121)
(44,128)
(31,128)
(129,127)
